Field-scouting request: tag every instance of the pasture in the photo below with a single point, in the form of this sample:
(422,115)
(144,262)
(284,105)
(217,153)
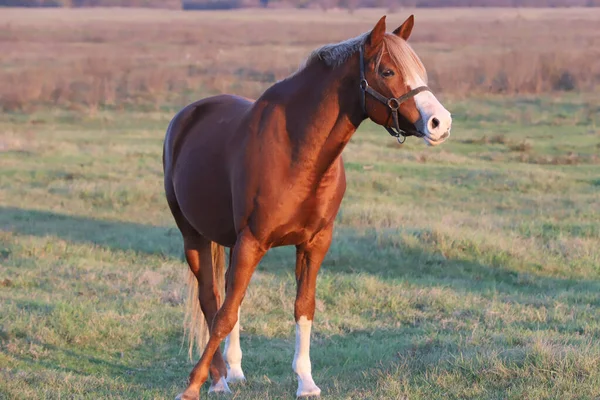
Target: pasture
(465,271)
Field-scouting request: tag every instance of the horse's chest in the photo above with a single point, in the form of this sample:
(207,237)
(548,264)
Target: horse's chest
(317,211)
(300,217)
(303,221)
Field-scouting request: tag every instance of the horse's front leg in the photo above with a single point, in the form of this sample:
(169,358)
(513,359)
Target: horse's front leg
(309,257)
(233,350)
(233,355)
(247,252)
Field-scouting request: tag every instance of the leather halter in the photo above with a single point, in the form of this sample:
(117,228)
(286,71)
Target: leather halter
(393,103)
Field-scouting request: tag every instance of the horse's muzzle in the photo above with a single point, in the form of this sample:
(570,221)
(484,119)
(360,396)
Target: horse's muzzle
(434,142)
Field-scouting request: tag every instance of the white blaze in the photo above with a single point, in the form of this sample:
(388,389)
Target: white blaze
(436,121)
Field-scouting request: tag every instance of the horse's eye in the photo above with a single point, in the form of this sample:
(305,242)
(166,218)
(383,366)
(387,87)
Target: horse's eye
(387,73)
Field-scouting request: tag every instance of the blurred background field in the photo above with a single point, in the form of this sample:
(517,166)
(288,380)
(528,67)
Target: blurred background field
(89,58)
(466,271)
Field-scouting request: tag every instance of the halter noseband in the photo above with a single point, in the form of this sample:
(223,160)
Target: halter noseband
(393,103)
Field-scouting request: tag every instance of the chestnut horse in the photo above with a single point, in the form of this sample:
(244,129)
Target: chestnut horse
(252,175)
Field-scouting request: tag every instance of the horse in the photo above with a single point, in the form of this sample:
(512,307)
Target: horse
(253,175)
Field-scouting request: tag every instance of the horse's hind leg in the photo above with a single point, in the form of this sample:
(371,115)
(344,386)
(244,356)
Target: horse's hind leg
(199,257)
(247,252)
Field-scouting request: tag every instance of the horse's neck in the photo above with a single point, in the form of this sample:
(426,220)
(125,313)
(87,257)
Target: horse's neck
(322,113)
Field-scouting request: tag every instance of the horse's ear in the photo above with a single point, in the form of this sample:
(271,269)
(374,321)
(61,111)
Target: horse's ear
(376,36)
(405,29)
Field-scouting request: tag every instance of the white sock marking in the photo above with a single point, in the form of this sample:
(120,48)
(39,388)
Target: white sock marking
(233,354)
(301,363)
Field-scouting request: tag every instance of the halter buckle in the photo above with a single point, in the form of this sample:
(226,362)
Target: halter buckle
(364,84)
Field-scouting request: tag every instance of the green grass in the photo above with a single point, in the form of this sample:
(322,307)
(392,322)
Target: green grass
(467,271)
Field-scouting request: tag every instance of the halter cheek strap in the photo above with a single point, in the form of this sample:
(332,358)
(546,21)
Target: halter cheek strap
(393,103)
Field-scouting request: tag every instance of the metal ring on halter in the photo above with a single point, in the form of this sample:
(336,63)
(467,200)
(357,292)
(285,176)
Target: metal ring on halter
(394,107)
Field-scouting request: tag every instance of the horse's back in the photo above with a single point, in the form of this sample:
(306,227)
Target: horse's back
(200,121)
(196,176)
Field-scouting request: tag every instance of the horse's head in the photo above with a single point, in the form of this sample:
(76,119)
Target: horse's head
(393,81)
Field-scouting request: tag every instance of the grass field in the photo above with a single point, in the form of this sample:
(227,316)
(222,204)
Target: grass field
(466,271)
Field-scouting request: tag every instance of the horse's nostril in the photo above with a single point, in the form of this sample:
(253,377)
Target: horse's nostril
(435,123)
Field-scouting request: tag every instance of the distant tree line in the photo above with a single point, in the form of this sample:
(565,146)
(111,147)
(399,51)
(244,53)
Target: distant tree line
(92,3)
(324,4)
(390,4)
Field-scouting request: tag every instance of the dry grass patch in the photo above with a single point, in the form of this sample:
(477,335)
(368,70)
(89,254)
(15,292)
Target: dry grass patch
(91,59)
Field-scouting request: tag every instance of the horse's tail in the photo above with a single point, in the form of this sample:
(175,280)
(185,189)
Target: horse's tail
(195,326)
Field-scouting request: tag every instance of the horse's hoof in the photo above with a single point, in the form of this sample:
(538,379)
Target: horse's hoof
(219,387)
(184,396)
(235,374)
(308,390)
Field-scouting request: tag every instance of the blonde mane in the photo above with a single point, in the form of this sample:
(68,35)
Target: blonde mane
(401,53)
(404,57)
